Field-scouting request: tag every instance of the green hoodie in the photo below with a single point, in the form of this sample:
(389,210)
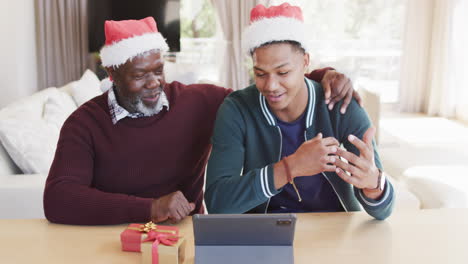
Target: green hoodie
(247,143)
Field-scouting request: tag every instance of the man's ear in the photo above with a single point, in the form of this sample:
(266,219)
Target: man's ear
(111,72)
(306,61)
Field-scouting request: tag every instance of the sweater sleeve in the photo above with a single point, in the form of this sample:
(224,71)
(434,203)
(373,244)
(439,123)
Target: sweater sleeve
(317,75)
(229,189)
(356,122)
(69,197)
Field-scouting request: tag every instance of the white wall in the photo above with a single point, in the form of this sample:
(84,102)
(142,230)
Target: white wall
(18,66)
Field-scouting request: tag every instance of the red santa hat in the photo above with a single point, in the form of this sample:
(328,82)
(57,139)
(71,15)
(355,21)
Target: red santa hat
(126,39)
(275,23)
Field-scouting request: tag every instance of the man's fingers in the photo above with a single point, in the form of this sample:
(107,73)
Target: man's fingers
(192,207)
(182,211)
(160,218)
(180,207)
(329,168)
(178,214)
(355,171)
(331,159)
(181,198)
(185,205)
(319,136)
(333,101)
(338,84)
(187,209)
(358,98)
(331,149)
(329,141)
(343,91)
(352,158)
(369,136)
(361,146)
(347,100)
(336,87)
(327,90)
(347,178)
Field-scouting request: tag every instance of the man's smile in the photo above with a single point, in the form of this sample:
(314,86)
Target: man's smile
(275,98)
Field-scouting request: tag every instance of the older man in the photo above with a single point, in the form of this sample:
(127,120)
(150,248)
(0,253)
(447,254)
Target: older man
(138,152)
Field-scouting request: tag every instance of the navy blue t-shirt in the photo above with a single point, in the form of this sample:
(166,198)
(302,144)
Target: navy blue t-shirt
(316,192)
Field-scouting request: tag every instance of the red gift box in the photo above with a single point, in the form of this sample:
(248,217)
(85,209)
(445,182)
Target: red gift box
(133,236)
(162,243)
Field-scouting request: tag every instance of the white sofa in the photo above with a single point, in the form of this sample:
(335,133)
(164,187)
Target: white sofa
(429,155)
(21,194)
(43,113)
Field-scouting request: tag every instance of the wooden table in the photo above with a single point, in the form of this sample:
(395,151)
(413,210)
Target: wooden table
(425,236)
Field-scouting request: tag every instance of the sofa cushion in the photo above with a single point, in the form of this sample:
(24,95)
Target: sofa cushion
(7,165)
(30,143)
(86,88)
(58,108)
(439,186)
(404,198)
(24,195)
(29,129)
(27,108)
(30,107)
(417,141)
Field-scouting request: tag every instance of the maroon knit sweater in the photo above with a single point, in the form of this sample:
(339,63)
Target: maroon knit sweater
(109,174)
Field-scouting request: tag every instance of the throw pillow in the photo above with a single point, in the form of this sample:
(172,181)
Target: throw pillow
(58,108)
(31,144)
(86,88)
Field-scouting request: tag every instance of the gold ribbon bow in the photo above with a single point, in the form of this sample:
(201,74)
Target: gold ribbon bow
(150,226)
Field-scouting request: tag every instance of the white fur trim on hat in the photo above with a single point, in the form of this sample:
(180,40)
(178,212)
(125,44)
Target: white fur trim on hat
(118,53)
(274,29)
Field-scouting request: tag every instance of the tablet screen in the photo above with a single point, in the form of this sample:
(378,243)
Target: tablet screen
(244,229)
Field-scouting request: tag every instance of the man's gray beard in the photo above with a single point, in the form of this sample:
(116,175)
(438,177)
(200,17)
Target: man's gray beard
(145,110)
(136,105)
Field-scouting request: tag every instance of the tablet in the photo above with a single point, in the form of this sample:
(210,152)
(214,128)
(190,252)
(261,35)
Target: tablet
(244,229)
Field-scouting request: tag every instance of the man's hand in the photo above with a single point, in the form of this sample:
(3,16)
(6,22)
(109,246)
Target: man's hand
(336,87)
(173,207)
(313,156)
(364,173)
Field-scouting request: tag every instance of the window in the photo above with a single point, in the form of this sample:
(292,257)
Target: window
(198,19)
(197,58)
(362,38)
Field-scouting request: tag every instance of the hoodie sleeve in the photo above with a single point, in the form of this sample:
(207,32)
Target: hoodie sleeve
(229,189)
(356,122)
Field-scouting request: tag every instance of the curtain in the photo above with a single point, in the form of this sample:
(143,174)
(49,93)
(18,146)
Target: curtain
(415,55)
(434,60)
(62,38)
(234,16)
(459,46)
(441,91)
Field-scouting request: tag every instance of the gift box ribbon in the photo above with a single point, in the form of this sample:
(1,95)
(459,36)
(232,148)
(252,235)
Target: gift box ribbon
(157,236)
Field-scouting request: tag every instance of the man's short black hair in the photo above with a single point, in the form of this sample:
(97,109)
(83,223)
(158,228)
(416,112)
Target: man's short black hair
(296,46)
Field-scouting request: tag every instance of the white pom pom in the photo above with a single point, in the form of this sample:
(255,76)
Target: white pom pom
(106,84)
